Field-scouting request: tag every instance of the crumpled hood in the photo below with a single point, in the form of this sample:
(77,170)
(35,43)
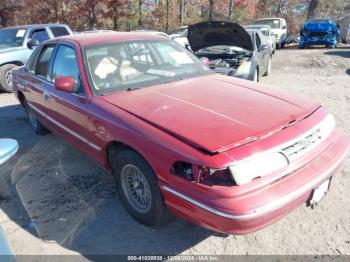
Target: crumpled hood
(320,27)
(214,113)
(208,34)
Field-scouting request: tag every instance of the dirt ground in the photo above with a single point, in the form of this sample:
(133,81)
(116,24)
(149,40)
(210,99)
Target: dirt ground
(54,200)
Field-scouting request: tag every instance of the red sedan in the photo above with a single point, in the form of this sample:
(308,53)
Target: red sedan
(224,153)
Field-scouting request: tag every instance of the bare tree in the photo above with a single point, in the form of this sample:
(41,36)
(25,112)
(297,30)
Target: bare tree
(211,7)
(314,4)
(140,14)
(167,16)
(230,8)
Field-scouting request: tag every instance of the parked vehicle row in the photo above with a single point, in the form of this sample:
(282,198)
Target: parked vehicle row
(17,43)
(231,50)
(221,152)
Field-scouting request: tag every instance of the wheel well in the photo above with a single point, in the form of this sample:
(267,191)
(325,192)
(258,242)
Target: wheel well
(18,63)
(113,149)
(21,98)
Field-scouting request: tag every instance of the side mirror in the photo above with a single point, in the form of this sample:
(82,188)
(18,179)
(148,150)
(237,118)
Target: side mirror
(284,27)
(187,46)
(65,84)
(33,43)
(8,147)
(338,25)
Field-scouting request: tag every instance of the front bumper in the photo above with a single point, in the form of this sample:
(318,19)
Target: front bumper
(261,207)
(329,41)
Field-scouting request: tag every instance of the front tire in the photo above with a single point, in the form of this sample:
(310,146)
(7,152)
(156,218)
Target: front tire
(256,75)
(269,66)
(138,189)
(6,77)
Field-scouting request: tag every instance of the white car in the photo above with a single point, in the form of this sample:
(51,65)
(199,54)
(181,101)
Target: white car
(182,39)
(278,27)
(178,32)
(267,33)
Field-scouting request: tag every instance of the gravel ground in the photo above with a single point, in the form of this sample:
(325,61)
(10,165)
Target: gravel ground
(54,200)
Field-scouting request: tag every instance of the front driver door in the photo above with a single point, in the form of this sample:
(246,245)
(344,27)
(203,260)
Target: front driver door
(68,111)
(262,54)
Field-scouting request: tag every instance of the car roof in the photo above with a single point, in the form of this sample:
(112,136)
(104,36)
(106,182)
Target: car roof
(270,18)
(257,26)
(33,26)
(107,37)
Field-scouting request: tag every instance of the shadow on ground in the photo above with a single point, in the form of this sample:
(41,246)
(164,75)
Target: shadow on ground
(65,197)
(344,54)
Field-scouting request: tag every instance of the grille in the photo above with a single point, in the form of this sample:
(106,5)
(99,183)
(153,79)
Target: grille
(303,145)
(317,34)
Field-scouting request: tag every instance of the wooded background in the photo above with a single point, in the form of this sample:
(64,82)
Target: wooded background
(162,15)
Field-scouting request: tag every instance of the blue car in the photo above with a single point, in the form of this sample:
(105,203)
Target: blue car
(319,32)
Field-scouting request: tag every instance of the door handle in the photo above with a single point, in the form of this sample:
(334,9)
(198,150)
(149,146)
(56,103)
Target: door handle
(47,96)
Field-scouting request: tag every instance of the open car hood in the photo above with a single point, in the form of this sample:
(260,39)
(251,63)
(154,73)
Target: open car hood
(208,34)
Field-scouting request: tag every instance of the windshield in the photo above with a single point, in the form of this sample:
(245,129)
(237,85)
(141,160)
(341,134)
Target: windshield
(273,23)
(12,37)
(125,66)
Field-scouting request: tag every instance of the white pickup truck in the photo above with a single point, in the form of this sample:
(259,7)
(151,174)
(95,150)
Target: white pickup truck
(278,27)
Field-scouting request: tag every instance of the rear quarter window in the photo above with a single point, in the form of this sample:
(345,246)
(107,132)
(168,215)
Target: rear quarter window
(59,31)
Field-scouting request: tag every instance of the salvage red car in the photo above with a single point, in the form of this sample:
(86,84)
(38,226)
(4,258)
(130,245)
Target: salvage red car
(224,153)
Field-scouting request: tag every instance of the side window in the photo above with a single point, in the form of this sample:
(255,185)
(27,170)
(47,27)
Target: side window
(31,62)
(66,64)
(42,66)
(59,31)
(40,35)
(258,41)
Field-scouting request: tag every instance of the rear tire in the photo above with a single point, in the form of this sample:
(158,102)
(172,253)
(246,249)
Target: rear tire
(138,189)
(6,77)
(34,121)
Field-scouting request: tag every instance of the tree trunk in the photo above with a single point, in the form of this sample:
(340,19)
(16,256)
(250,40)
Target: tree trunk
(314,4)
(167,17)
(211,5)
(230,9)
(182,12)
(140,14)
(279,7)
